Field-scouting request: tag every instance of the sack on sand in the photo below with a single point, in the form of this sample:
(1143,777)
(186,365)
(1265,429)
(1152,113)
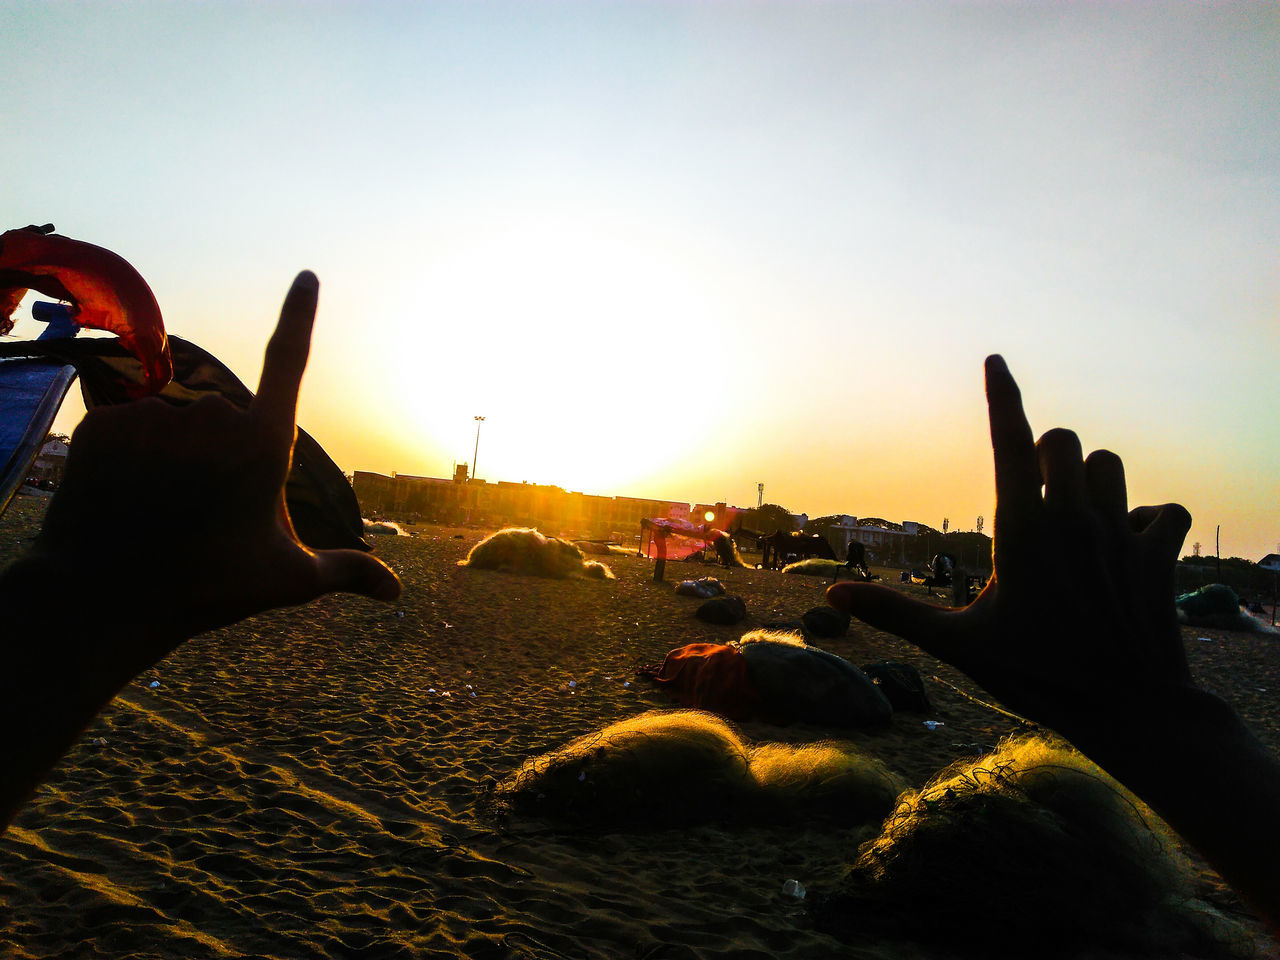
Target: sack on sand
(808,685)
(704,587)
(825,623)
(1217,606)
(709,676)
(723,611)
(901,684)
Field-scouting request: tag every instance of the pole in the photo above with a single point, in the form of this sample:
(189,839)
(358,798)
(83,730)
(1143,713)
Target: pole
(1217,549)
(476,453)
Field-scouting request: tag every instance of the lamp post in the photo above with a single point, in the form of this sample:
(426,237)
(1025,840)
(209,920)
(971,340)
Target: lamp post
(476,452)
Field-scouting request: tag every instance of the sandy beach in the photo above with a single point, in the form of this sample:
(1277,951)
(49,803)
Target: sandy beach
(313,782)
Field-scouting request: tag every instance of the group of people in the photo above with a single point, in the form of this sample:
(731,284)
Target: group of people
(1104,673)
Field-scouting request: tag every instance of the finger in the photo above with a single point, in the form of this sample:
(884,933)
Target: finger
(1141,517)
(1104,478)
(286,357)
(926,626)
(1162,529)
(1017,466)
(1062,467)
(353,571)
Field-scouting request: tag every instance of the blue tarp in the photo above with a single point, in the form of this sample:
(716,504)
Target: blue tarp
(31,391)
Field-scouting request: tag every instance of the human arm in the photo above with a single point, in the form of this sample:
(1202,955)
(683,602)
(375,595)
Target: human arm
(1077,630)
(170,521)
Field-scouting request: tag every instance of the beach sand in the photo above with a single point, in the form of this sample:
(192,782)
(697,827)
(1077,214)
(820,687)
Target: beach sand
(312,783)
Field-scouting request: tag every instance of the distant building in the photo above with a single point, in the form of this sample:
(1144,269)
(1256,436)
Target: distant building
(1270,562)
(50,463)
(505,503)
(875,535)
(886,539)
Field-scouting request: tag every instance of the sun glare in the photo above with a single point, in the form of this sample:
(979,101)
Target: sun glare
(570,338)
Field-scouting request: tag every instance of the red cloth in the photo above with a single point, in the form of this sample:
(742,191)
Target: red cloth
(710,676)
(105,291)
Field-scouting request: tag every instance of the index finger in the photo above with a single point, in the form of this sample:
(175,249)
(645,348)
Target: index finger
(286,357)
(1016,462)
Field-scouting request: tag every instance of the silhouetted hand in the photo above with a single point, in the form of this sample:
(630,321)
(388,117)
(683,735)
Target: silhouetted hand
(1077,622)
(170,521)
(176,515)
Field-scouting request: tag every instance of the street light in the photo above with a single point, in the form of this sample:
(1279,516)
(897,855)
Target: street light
(476,452)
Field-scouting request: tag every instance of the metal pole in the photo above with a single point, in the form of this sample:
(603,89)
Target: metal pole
(476,453)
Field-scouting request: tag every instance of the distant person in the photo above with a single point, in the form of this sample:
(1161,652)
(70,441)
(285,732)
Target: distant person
(856,559)
(943,566)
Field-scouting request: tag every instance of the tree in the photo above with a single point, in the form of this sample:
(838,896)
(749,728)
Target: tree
(769,518)
(820,525)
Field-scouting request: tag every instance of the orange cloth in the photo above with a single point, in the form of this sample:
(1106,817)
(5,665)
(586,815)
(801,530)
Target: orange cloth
(105,291)
(710,676)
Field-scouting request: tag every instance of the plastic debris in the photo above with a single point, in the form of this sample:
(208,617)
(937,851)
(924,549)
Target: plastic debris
(572,684)
(934,724)
(154,684)
(400,614)
(793,888)
(582,776)
(626,684)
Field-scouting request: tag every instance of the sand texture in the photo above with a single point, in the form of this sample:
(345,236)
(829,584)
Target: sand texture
(313,782)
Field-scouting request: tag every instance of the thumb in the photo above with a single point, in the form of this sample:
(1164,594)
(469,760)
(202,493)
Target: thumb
(352,571)
(932,629)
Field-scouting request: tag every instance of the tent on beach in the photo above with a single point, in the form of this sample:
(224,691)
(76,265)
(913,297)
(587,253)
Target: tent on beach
(691,538)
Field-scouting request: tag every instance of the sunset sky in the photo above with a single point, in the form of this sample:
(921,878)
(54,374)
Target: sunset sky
(674,250)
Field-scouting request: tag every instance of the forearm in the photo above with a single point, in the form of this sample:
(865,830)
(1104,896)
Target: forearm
(60,664)
(1200,768)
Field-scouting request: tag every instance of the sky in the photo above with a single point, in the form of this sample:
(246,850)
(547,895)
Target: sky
(675,250)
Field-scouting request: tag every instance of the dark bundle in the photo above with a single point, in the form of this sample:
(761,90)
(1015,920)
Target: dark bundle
(1030,851)
(686,766)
